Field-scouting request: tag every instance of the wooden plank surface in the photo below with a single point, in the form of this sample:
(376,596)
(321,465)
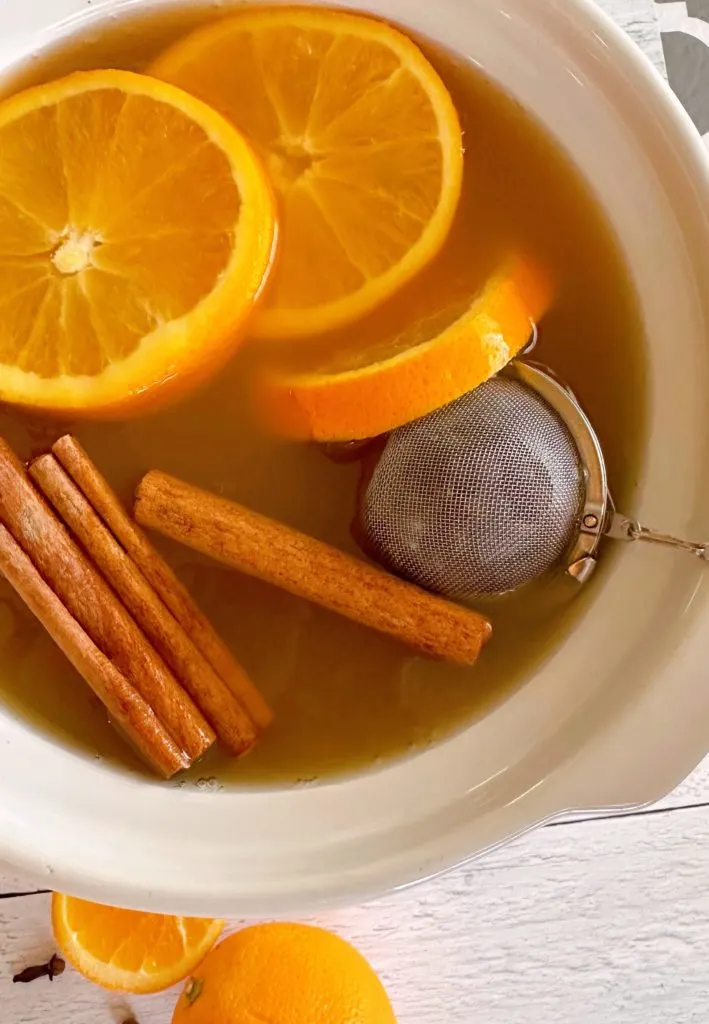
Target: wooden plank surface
(639,19)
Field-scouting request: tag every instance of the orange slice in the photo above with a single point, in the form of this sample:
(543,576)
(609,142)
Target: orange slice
(129,950)
(363,394)
(136,231)
(362,143)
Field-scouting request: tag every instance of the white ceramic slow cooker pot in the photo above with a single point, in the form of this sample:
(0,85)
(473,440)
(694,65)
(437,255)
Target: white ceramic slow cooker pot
(619,713)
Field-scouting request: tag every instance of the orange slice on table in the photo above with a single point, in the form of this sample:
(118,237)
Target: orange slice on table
(362,394)
(362,143)
(136,231)
(129,950)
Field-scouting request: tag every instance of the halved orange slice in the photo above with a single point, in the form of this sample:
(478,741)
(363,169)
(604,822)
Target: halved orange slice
(363,393)
(362,142)
(136,232)
(127,949)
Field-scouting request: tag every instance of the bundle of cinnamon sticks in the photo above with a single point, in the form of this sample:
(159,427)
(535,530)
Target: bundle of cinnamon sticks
(119,613)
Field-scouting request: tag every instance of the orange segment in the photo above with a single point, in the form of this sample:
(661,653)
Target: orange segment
(362,143)
(129,950)
(284,974)
(136,232)
(369,392)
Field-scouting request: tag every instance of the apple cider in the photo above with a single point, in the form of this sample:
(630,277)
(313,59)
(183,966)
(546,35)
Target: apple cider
(344,697)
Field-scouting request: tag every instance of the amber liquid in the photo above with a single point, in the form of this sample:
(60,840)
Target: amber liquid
(344,697)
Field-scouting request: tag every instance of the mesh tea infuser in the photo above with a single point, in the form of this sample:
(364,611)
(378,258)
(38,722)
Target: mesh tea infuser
(495,490)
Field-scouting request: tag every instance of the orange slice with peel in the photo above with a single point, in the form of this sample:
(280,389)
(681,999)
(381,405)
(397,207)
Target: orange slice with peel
(136,231)
(361,140)
(368,392)
(129,950)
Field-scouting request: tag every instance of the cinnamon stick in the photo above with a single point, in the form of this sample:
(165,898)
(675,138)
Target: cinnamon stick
(87,596)
(125,706)
(309,568)
(212,696)
(160,576)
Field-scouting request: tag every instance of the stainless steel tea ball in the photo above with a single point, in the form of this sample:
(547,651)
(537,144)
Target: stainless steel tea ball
(495,490)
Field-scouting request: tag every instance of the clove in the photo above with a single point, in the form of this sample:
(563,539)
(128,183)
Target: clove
(52,969)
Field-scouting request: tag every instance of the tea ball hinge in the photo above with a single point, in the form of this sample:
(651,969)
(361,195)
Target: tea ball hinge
(582,569)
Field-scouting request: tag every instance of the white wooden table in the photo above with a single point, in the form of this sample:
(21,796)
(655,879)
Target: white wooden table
(588,921)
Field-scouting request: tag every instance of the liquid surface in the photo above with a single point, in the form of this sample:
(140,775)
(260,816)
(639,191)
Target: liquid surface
(344,697)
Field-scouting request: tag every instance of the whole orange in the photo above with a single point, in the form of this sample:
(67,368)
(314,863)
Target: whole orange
(284,974)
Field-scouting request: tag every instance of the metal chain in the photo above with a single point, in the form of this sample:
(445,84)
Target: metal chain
(619,527)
